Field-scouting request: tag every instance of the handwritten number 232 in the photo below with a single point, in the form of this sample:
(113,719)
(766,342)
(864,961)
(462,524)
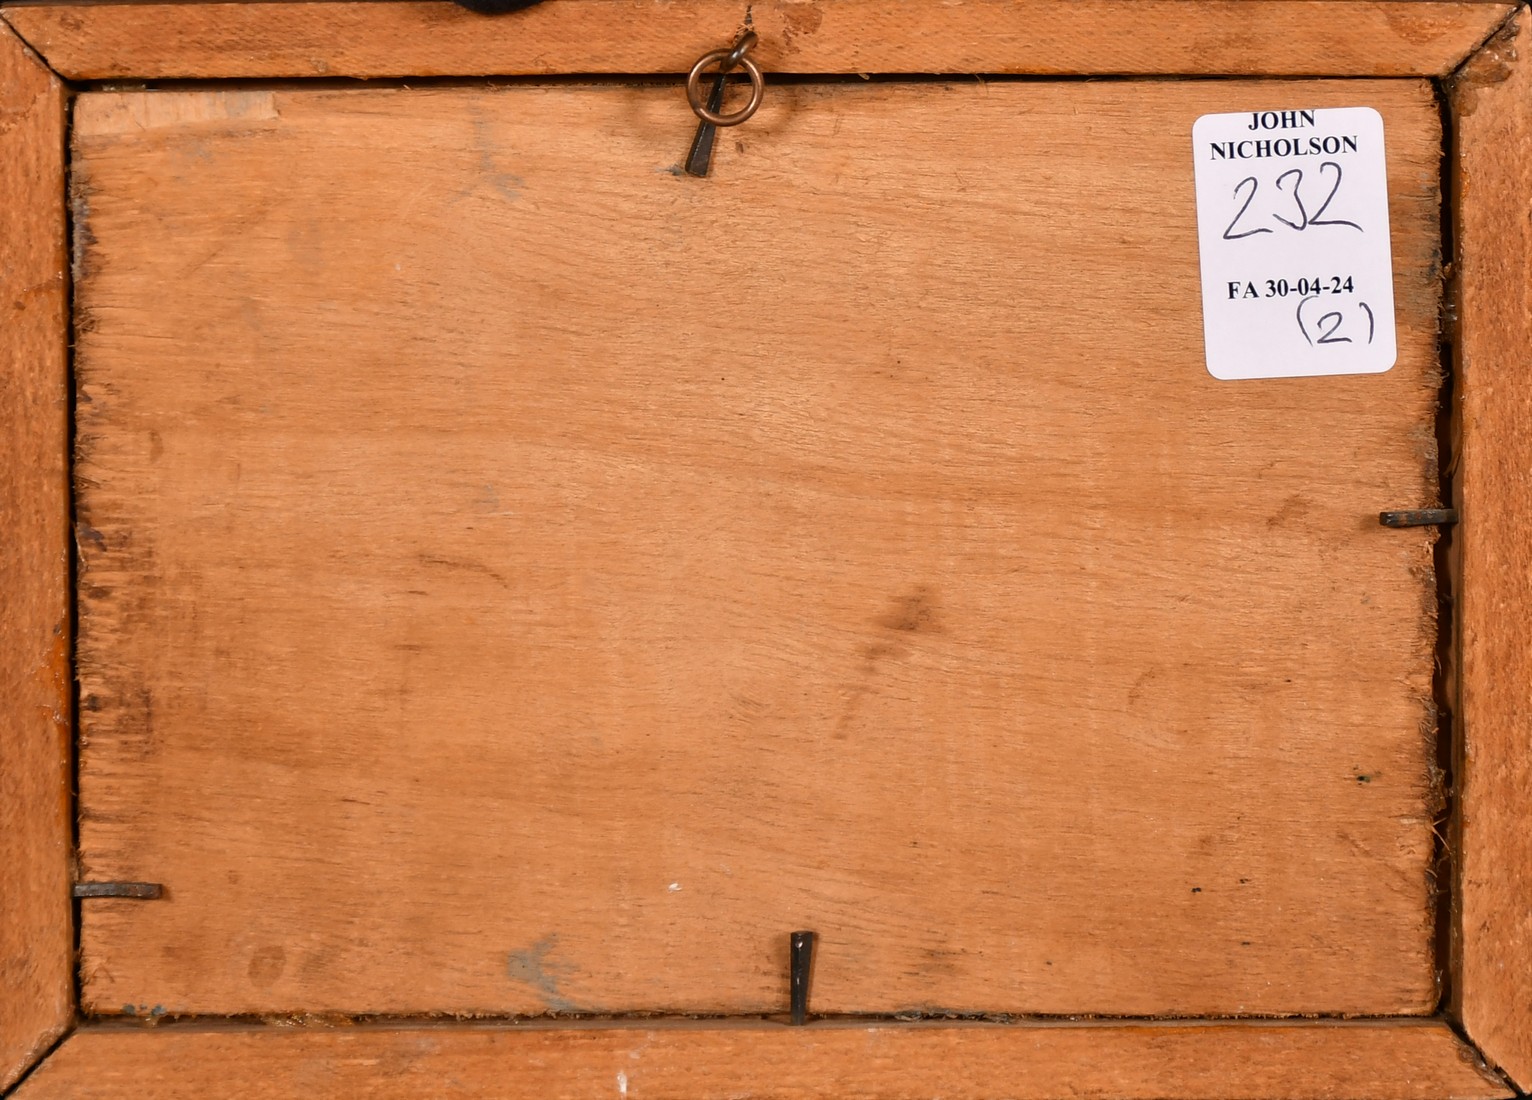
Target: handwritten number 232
(1305,219)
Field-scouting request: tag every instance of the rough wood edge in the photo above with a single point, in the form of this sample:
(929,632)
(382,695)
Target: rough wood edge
(36,915)
(1255,1060)
(421,38)
(1492,107)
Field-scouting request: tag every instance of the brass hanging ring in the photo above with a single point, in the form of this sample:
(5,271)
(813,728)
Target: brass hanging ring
(726,60)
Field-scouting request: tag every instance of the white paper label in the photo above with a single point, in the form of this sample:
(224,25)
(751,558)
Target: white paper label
(1292,228)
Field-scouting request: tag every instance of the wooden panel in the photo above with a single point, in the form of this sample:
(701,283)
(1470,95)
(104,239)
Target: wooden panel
(518,578)
(36,922)
(1254,1061)
(1493,106)
(1276,37)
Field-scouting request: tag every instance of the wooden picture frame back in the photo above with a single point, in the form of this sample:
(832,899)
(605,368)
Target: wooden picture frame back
(1491,169)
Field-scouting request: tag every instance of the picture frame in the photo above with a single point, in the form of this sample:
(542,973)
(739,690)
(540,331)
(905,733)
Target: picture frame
(1479,54)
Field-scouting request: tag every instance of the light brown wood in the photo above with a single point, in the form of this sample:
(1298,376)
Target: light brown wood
(1492,104)
(1254,1061)
(1275,37)
(517,578)
(36,924)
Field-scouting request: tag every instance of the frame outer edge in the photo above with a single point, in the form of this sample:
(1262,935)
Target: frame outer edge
(36,915)
(1492,104)
(376,39)
(1387,1059)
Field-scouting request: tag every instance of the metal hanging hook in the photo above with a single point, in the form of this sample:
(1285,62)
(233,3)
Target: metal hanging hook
(741,48)
(727,60)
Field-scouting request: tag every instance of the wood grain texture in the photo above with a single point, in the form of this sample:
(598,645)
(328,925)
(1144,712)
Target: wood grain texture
(1493,106)
(1251,1061)
(36,923)
(1271,37)
(517,578)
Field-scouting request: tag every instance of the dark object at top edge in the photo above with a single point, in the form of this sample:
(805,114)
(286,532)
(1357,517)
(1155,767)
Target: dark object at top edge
(496,7)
